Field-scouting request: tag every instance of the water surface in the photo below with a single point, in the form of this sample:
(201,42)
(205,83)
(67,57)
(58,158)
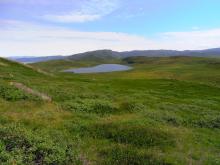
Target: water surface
(100,68)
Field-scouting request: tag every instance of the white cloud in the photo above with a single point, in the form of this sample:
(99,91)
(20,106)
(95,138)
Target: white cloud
(73,17)
(64,11)
(90,10)
(35,40)
(28,39)
(196,39)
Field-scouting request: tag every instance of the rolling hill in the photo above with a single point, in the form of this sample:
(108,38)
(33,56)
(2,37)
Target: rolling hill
(97,55)
(109,54)
(164,111)
(106,55)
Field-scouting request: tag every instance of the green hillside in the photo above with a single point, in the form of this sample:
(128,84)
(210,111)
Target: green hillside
(98,55)
(60,65)
(164,111)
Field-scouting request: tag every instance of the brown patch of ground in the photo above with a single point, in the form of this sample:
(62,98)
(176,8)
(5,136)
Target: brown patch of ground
(31,91)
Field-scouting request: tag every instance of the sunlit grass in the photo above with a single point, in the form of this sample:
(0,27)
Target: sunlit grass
(164,111)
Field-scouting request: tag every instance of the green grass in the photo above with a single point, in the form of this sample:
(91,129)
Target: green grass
(164,111)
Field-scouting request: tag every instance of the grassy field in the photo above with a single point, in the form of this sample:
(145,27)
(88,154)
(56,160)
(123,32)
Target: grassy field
(164,111)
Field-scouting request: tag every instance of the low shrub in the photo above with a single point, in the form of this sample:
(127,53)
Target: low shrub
(172,120)
(132,106)
(124,155)
(11,93)
(136,135)
(96,106)
(21,146)
(209,123)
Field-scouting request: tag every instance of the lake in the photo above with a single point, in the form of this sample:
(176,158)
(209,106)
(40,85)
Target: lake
(100,69)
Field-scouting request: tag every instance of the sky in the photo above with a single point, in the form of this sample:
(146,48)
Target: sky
(65,27)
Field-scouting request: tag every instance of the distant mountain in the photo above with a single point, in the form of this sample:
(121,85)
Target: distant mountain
(209,52)
(109,54)
(98,55)
(151,53)
(164,53)
(35,59)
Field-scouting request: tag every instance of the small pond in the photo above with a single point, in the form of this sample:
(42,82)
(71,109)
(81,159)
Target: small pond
(100,69)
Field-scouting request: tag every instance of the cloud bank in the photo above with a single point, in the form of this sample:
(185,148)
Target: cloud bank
(66,11)
(88,11)
(25,39)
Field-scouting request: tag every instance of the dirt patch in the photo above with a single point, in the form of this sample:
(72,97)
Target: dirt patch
(3,64)
(31,91)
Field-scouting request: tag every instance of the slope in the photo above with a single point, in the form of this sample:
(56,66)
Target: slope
(164,111)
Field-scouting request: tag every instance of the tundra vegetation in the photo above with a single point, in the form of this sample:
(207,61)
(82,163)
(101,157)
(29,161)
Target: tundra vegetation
(164,111)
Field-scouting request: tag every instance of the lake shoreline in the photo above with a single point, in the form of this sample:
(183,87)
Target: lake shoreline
(102,68)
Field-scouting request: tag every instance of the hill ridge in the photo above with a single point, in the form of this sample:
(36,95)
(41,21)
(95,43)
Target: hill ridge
(107,54)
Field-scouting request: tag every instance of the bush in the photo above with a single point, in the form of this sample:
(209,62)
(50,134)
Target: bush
(131,106)
(172,120)
(124,155)
(136,135)
(11,93)
(90,106)
(209,123)
(24,147)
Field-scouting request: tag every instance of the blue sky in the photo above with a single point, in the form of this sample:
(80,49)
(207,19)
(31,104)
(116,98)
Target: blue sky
(46,27)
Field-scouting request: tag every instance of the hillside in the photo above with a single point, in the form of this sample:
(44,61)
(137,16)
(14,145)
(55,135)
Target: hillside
(80,60)
(164,111)
(191,68)
(168,53)
(10,70)
(107,55)
(99,55)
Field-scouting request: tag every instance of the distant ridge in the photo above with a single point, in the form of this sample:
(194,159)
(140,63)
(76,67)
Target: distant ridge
(35,59)
(109,54)
(95,55)
(103,55)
